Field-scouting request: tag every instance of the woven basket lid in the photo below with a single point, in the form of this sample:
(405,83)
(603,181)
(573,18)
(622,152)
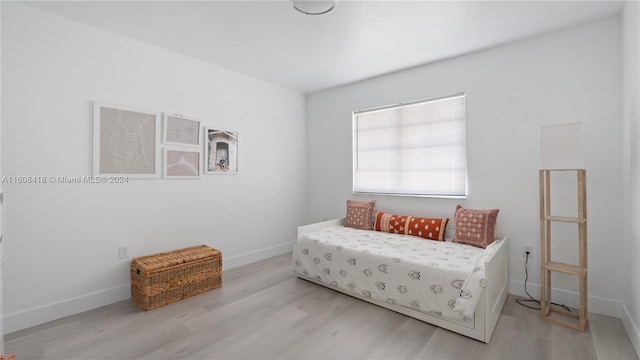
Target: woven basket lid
(176,257)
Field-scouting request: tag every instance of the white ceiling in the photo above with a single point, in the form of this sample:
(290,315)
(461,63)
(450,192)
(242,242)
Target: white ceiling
(269,40)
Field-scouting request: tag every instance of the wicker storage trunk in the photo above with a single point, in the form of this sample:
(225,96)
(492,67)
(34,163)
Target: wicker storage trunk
(167,277)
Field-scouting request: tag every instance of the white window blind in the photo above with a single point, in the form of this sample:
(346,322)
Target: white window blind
(411,149)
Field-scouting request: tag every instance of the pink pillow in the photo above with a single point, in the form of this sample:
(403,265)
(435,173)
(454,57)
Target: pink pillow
(360,214)
(475,227)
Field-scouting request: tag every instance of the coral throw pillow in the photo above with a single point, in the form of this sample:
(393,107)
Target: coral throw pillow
(359,214)
(475,227)
(427,228)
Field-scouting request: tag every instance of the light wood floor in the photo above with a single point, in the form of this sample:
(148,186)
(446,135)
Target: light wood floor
(263,312)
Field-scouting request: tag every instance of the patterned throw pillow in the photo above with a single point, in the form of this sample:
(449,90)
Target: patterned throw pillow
(475,227)
(427,228)
(359,214)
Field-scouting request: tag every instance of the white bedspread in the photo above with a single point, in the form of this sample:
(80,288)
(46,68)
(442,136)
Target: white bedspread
(440,278)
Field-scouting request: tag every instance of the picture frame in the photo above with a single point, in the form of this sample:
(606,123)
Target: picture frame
(180,130)
(220,151)
(182,163)
(126,141)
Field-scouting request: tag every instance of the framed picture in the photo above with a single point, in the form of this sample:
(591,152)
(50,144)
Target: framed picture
(181,163)
(221,151)
(181,131)
(125,141)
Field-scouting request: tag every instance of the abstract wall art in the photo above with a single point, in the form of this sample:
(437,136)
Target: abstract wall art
(181,163)
(125,141)
(181,131)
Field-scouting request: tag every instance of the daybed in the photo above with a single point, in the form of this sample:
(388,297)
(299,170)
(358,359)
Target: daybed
(457,287)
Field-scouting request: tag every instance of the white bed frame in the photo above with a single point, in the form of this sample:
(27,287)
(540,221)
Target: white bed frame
(489,306)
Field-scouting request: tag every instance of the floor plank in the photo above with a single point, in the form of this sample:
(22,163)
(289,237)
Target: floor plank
(263,311)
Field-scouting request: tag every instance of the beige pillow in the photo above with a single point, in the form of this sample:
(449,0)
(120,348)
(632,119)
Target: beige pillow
(360,214)
(475,227)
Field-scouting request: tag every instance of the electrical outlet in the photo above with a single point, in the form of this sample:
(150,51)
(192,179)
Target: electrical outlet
(123,252)
(525,249)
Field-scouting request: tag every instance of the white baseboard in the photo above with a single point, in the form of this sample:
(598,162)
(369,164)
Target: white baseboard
(253,256)
(633,331)
(595,304)
(39,315)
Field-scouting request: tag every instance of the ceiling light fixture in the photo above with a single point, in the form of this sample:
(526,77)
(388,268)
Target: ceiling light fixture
(314,7)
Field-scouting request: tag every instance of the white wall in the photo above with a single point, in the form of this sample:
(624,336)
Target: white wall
(631,168)
(567,76)
(61,240)
(1,212)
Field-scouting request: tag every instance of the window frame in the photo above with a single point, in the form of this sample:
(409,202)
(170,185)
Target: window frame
(431,194)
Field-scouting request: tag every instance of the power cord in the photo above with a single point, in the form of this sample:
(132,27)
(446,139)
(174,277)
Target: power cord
(531,298)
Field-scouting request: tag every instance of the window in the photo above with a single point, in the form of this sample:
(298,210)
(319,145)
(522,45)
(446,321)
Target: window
(416,149)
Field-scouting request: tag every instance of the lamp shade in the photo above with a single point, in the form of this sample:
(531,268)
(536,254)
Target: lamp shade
(561,147)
